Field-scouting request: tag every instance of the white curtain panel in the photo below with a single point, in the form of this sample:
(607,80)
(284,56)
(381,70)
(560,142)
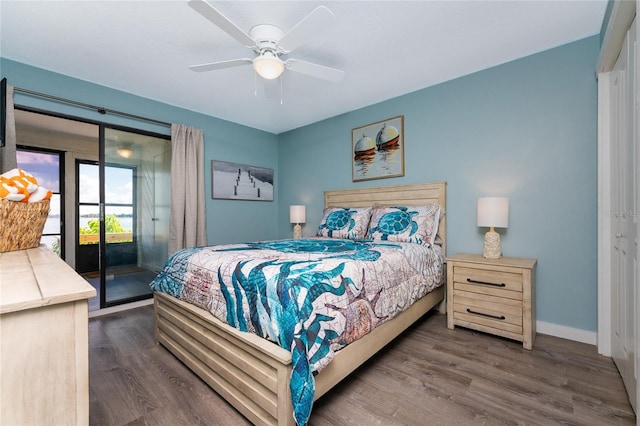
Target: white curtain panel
(8,151)
(187,226)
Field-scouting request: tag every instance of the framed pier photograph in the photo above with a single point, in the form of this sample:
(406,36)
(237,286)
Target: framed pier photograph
(233,181)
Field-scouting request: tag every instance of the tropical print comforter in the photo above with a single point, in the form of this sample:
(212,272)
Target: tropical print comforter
(311,296)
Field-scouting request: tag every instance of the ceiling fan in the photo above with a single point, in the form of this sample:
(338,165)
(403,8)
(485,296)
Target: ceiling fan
(270,43)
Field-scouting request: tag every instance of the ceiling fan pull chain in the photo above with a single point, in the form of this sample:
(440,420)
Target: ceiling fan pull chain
(255,84)
(281,78)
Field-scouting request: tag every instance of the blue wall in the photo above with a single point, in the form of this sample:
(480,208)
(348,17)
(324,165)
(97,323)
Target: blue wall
(526,129)
(227,220)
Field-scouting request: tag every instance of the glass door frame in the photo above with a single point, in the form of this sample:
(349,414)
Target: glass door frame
(78,205)
(103,162)
(61,189)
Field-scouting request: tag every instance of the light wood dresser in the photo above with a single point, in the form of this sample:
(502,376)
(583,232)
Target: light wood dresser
(44,340)
(495,296)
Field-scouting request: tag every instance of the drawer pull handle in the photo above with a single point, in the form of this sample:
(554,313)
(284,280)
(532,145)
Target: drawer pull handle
(469,280)
(501,317)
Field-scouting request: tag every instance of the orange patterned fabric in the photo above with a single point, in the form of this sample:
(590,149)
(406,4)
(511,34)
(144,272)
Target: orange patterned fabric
(19,185)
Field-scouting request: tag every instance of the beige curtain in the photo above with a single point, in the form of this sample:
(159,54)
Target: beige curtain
(8,151)
(187,226)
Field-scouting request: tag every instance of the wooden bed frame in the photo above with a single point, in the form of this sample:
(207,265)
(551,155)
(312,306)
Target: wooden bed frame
(252,373)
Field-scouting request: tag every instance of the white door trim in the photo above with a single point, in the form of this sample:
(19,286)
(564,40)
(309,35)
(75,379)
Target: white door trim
(637,165)
(622,14)
(604,216)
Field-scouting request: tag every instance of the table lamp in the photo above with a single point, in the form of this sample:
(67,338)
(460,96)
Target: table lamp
(297,215)
(494,213)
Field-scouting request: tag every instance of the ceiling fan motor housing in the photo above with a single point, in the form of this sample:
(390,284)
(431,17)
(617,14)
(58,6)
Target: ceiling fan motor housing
(267,37)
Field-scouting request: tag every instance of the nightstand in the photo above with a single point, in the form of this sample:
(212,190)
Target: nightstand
(495,296)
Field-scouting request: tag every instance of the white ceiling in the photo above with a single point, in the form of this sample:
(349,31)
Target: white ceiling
(386,48)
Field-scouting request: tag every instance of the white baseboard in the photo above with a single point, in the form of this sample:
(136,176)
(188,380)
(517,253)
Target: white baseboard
(120,308)
(570,333)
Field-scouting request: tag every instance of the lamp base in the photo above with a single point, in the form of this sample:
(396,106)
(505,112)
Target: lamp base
(297,232)
(492,245)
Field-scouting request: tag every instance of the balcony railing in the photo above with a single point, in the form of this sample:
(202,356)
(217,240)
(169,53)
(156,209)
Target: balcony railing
(119,237)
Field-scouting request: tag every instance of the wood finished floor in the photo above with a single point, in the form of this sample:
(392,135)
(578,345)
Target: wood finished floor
(428,376)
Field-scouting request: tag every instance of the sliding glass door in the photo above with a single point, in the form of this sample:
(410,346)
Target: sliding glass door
(135,192)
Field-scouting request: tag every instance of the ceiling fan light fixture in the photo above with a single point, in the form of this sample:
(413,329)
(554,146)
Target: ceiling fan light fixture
(268,65)
(125,150)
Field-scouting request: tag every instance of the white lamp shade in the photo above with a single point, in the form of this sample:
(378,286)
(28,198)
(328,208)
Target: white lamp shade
(268,65)
(493,212)
(297,214)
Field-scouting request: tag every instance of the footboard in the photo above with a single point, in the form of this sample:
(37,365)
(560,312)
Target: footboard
(249,372)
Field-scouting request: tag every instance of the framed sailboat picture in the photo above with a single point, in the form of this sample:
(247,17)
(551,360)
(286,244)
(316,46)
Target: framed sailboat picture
(377,150)
(233,181)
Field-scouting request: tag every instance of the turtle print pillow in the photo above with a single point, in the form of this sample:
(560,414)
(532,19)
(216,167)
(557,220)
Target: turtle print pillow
(351,223)
(413,224)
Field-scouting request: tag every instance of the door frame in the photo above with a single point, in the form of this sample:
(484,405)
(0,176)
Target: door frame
(61,189)
(81,250)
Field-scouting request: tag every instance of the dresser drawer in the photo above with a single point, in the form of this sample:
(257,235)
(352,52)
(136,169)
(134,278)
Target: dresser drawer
(490,311)
(498,283)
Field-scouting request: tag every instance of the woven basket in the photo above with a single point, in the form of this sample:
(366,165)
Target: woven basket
(21,224)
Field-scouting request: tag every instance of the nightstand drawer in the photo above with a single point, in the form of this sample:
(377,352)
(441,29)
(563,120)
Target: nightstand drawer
(498,283)
(491,311)
(486,324)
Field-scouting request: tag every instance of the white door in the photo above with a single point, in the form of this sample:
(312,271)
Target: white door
(624,216)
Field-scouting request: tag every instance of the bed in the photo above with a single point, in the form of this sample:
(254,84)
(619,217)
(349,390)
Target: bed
(255,374)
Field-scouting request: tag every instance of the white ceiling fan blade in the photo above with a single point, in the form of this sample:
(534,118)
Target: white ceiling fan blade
(221,21)
(220,65)
(312,24)
(315,70)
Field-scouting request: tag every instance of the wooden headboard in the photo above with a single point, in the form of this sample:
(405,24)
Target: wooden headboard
(419,194)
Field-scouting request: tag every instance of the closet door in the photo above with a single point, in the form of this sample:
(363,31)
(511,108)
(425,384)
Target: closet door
(624,197)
